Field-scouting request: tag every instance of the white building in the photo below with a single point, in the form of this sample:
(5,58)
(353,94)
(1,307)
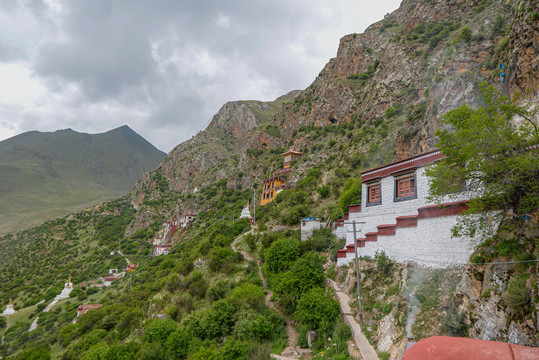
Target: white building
(9,309)
(308,225)
(394,217)
(162,249)
(245,213)
(68,287)
(187,218)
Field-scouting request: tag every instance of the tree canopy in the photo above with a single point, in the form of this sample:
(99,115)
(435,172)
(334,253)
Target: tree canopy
(491,153)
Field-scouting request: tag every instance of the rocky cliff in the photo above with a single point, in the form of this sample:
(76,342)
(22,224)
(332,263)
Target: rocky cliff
(523,71)
(403,72)
(431,54)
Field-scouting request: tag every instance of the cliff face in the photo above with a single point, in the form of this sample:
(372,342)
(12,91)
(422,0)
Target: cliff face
(431,52)
(523,69)
(404,73)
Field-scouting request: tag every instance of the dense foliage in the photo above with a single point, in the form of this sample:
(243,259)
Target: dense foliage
(491,153)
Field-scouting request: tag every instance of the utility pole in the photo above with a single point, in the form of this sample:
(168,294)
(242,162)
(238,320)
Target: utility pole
(357,276)
(254,206)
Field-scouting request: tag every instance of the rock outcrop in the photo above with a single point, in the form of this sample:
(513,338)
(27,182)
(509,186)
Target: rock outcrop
(523,69)
(402,73)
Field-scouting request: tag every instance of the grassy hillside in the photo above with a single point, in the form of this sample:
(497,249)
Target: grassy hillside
(46,175)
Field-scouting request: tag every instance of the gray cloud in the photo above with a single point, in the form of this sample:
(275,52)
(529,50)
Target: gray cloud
(164,67)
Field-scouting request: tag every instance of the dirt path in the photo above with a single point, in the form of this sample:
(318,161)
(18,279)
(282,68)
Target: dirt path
(291,352)
(365,348)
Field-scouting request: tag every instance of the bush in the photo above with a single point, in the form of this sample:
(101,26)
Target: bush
(323,191)
(223,259)
(383,261)
(233,350)
(351,194)
(249,294)
(317,306)
(281,254)
(465,34)
(158,330)
(517,296)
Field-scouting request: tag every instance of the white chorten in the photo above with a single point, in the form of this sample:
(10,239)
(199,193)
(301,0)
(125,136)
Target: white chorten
(67,289)
(9,309)
(245,214)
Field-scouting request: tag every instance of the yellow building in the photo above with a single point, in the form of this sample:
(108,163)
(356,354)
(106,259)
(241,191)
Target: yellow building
(277,182)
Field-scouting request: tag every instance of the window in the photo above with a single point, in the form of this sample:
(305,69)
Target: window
(374,193)
(405,186)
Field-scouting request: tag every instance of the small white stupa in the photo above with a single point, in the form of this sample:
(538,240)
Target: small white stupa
(245,214)
(67,289)
(9,309)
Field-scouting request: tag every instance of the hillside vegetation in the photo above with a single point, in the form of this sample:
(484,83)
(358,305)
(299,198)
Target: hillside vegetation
(46,175)
(380,99)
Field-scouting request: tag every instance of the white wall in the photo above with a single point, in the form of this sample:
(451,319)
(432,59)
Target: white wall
(429,244)
(307,228)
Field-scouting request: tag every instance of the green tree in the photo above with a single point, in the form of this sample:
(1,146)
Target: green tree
(158,330)
(250,294)
(492,152)
(317,306)
(281,254)
(351,194)
(305,274)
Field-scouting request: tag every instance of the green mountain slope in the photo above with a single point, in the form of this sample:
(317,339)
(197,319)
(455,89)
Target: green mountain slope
(206,299)
(46,175)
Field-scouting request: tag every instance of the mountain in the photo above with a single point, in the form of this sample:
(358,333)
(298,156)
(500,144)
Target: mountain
(44,175)
(380,99)
(392,84)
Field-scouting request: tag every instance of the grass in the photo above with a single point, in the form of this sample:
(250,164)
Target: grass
(47,175)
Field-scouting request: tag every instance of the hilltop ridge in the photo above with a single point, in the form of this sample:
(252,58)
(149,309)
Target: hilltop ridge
(379,100)
(48,174)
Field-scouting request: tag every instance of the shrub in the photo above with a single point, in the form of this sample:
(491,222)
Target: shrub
(233,350)
(465,34)
(223,259)
(281,254)
(383,261)
(517,296)
(158,330)
(317,306)
(351,194)
(323,191)
(249,294)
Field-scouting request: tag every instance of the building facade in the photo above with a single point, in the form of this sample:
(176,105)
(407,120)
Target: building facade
(276,183)
(395,217)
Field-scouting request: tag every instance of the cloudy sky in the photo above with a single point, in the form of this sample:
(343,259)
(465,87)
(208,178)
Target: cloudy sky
(161,67)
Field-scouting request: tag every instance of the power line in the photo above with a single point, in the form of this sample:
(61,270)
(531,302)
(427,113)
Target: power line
(459,263)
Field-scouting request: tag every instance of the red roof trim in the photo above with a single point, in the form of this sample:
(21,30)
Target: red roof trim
(405,164)
(292,151)
(405,171)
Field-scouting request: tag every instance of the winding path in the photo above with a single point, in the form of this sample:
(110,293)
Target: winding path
(291,352)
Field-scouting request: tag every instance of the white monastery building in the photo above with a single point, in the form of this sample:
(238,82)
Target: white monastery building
(394,217)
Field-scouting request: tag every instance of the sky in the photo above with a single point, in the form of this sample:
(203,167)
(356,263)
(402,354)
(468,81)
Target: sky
(163,68)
